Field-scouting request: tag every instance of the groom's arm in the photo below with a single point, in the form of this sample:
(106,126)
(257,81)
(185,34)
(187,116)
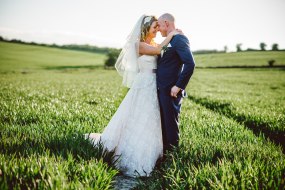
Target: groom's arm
(184,52)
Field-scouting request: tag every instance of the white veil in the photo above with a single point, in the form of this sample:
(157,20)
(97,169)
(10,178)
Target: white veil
(126,63)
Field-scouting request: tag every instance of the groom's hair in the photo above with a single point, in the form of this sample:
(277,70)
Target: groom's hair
(168,16)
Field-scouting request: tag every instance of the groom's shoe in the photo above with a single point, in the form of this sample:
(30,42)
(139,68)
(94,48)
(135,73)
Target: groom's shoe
(170,148)
(159,162)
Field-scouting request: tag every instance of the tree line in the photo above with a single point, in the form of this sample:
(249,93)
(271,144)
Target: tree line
(262,46)
(88,48)
(113,53)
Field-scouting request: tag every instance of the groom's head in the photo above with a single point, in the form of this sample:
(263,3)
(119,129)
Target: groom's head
(166,23)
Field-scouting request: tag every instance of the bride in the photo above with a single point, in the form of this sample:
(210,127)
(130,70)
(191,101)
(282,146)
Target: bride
(134,131)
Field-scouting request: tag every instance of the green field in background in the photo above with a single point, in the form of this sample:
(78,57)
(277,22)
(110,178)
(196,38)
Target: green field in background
(231,123)
(240,59)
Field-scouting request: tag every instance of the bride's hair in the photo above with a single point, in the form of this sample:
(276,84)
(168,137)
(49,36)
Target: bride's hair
(146,23)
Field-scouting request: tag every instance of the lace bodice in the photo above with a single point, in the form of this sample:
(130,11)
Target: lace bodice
(146,76)
(147,62)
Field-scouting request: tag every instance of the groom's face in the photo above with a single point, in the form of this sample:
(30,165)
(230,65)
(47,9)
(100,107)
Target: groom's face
(162,27)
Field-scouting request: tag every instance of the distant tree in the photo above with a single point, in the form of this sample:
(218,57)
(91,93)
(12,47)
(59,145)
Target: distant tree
(16,41)
(262,46)
(112,58)
(1,38)
(271,62)
(238,46)
(275,47)
(226,49)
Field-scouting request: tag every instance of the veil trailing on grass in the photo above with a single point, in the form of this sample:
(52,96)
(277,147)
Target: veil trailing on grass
(126,63)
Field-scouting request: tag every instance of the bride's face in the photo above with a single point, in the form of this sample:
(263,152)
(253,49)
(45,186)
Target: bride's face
(153,30)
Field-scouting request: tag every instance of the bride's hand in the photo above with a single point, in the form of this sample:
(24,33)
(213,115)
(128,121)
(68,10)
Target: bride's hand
(176,31)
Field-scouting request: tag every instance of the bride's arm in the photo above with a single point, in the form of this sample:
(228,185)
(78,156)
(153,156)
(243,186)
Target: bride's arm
(148,49)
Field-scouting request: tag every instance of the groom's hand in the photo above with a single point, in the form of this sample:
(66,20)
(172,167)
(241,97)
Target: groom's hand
(174,91)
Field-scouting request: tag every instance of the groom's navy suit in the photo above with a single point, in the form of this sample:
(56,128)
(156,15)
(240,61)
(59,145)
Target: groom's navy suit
(175,67)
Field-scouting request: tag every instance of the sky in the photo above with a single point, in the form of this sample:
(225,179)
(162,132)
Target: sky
(209,24)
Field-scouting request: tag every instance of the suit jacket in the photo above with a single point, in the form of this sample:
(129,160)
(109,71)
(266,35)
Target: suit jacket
(177,64)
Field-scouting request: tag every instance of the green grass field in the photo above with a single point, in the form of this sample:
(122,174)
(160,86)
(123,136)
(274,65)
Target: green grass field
(232,123)
(27,58)
(242,59)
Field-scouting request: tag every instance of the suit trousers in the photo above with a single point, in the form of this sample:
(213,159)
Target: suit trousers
(170,110)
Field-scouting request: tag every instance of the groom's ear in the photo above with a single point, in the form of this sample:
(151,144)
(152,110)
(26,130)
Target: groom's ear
(166,23)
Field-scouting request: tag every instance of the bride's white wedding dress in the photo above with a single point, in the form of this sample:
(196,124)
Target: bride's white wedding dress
(135,129)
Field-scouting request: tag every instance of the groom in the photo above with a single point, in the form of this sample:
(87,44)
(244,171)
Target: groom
(175,67)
